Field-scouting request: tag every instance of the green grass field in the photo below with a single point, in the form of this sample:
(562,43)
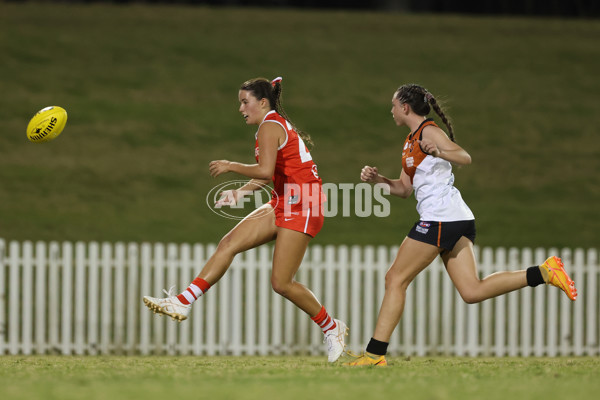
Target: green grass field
(151,93)
(259,378)
(295,378)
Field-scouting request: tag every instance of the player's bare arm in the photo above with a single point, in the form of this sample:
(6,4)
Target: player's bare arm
(270,136)
(400,187)
(436,143)
(231,197)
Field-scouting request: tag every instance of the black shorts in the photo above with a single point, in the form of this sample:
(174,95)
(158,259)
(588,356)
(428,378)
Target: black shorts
(443,234)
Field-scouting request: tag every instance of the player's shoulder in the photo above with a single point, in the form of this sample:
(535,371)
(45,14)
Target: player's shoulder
(267,128)
(431,130)
(271,130)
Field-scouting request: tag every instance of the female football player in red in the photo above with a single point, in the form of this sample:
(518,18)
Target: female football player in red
(292,217)
(446,226)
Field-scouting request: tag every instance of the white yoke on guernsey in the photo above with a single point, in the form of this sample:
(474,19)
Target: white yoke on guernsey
(433,182)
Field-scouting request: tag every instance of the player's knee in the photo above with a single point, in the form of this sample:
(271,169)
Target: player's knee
(226,246)
(395,281)
(280,287)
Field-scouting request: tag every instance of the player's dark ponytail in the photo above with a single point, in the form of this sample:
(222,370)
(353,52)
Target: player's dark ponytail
(263,88)
(422,101)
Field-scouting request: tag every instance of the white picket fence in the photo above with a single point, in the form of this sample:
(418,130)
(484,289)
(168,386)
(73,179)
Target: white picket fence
(85,298)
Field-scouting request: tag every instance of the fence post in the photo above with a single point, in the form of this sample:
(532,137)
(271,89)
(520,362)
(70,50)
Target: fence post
(249,338)
(342,282)
(385,255)
(566,334)
(158,324)
(329,297)
(26,298)
(368,287)
(513,306)
(92,296)
(3,321)
(407,322)
(145,290)
(211,311)
(354,297)
(526,306)
(316,284)
(134,297)
(264,293)
(487,263)
(53,297)
(67,298)
(119,298)
(434,297)
(80,299)
(592,334)
(578,276)
(236,309)
(500,310)
(473,322)
(552,324)
(447,316)
(224,316)
(14,322)
(420,288)
(189,272)
(185,278)
(106,297)
(539,327)
(172,267)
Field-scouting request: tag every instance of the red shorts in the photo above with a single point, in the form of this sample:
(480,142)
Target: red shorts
(298,217)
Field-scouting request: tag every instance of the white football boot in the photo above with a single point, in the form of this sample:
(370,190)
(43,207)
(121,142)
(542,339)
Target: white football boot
(335,340)
(170,306)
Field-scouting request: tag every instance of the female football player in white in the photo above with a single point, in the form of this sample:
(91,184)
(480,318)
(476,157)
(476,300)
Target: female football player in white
(292,217)
(446,226)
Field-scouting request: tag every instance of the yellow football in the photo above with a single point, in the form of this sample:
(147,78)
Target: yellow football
(46,124)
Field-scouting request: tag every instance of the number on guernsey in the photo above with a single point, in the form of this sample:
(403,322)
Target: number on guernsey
(304,154)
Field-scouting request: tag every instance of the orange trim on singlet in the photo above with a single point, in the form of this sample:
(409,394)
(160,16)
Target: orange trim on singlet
(412,149)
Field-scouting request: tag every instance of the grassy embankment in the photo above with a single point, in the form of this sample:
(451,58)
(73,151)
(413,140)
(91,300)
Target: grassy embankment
(152,98)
